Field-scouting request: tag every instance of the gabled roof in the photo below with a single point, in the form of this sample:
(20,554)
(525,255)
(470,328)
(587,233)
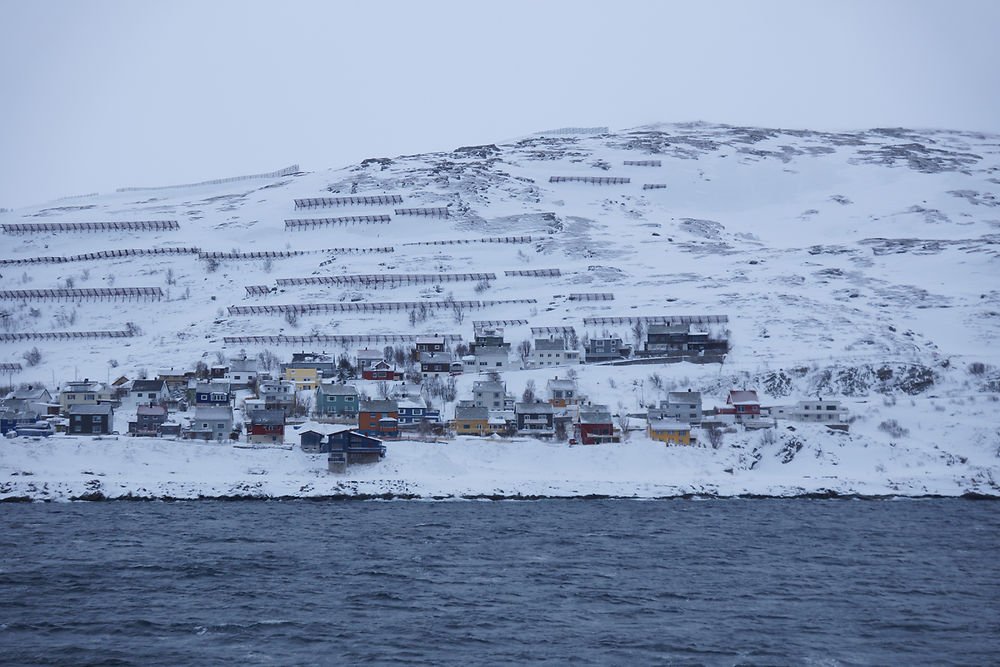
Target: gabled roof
(668,425)
(472,413)
(267,417)
(491,386)
(561,385)
(367,353)
(737,397)
(214,386)
(550,345)
(668,328)
(338,389)
(90,409)
(28,394)
(212,413)
(533,408)
(430,340)
(148,385)
(379,406)
(593,416)
(492,351)
(152,410)
(242,365)
(436,358)
(322,428)
(684,397)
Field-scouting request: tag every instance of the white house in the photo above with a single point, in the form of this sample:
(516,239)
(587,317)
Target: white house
(814,411)
(551,352)
(242,372)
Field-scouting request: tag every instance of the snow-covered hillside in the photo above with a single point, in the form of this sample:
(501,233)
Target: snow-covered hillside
(861,264)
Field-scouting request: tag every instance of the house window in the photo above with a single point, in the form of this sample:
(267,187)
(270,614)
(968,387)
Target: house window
(89,397)
(831,407)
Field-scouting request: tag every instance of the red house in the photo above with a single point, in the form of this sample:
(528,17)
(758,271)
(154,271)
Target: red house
(266,426)
(595,426)
(381,371)
(743,404)
(379,418)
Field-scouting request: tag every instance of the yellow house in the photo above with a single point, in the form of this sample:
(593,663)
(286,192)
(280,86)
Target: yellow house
(304,378)
(471,421)
(670,432)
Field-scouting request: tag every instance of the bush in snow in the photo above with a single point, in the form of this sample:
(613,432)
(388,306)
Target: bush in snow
(893,428)
(32,357)
(977,368)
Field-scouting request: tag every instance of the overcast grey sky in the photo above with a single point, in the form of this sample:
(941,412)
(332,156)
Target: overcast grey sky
(102,94)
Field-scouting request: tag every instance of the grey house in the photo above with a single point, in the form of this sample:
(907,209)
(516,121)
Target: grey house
(489,394)
(680,406)
(606,349)
(211,423)
(87,419)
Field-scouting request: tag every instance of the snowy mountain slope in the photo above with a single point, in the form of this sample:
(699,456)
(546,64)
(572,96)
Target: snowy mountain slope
(834,255)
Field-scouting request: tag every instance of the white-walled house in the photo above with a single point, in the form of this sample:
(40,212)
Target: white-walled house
(551,352)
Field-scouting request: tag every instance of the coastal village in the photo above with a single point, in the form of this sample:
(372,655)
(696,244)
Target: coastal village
(349,406)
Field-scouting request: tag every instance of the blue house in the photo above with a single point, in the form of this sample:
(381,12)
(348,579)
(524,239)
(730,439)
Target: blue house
(413,411)
(353,447)
(213,393)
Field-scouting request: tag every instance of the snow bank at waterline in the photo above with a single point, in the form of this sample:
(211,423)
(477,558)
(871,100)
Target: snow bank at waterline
(809,460)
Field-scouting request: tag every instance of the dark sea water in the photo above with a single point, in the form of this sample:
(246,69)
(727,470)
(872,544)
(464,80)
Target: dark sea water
(621,582)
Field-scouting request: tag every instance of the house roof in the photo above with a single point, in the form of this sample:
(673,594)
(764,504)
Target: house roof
(212,412)
(367,353)
(472,413)
(533,408)
(595,416)
(322,428)
(668,425)
(411,403)
(668,328)
(338,389)
(242,365)
(488,385)
(550,345)
(379,406)
(153,410)
(561,385)
(267,417)
(436,358)
(148,385)
(203,387)
(28,394)
(737,397)
(684,397)
(430,340)
(88,409)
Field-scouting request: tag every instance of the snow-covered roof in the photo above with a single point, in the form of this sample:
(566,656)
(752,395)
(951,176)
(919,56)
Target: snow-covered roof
(533,408)
(491,386)
(368,353)
(668,425)
(738,397)
(90,409)
(561,385)
(338,389)
(550,345)
(267,417)
(148,385)
(379,406)
(212,412)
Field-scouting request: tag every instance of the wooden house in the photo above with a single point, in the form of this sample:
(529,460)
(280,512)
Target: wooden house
(435,364)
(551,352)
(84,393)
(91,419)
(149,392)
(743,405)
(594,425)
(352,447)
(682,406)
(381,370)
(266,426)
(606,349)
(669,432)
(366,358)
(148,420)
(536,419)
(340,400)
(562,392)
(211,422)
(379,418)
(471,420)
(241,373)
(216,392)
(429,345)
(490,394)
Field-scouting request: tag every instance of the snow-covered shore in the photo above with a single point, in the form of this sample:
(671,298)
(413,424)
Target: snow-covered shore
(809,460)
